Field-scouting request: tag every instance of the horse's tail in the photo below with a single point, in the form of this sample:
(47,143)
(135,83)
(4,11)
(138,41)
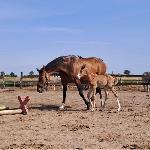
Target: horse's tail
(85,87)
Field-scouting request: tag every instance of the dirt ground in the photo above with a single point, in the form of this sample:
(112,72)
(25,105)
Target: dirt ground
(75,127)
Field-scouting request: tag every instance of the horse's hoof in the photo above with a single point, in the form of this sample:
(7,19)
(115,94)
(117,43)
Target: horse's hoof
(88,106)
(102,108)
(62,107)
(92,109)
(119,109)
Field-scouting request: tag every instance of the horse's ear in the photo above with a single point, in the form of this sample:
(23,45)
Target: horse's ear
(37,69)
(43,67)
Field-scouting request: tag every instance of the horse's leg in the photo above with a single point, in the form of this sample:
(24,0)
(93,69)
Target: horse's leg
(106,97)
(98,90)
(79,87)
(46,86)
(64,96)
(92,103)
(89,96)
(116,95)
(93,99)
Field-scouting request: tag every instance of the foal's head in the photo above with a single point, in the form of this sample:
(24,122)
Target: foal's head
(85,73)
(43,80)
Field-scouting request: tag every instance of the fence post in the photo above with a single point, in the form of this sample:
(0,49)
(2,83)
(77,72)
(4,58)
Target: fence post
(147,85)
(148,88)
(3,80)
(14,83)
(54,87)
(21,80)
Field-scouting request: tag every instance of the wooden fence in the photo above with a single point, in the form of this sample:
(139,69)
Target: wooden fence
(27,81)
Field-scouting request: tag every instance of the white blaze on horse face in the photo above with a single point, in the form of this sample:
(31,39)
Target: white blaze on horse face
(79,76)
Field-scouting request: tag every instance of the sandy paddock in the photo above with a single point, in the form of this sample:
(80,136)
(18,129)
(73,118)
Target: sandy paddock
(47,127)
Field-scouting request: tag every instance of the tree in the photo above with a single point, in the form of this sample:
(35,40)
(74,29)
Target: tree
(146,79)
(2,73)
(146,73)
(31,73)
(127,72)
(146,76)
(12,74)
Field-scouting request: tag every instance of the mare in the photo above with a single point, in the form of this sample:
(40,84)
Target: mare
(68,68)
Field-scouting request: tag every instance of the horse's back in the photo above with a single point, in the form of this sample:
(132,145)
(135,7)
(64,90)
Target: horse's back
(96,65)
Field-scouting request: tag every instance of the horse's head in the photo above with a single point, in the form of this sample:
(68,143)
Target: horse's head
(43,80)
(85,74)
(82,72)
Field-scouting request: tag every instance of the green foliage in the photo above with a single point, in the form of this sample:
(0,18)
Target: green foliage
(31,73)
(127,72)
(2,73)
(12,74)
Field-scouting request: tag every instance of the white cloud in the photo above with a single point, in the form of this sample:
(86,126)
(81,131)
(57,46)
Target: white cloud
(24,10)
(57,29)
(124,1)
(43,29)
(85,42)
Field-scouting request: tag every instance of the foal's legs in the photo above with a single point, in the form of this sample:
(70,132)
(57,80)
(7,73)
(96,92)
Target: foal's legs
(103,102)
(46,86)
(90,97)
(116,95)
(92,101)
(94,96)
(106,97)
(92,91)
(98,90)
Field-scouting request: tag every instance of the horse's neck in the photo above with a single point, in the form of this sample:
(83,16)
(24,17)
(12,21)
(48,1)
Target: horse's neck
(59,69)
(49,70)
(69,66)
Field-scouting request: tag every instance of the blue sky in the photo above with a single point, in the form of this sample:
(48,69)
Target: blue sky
(34,32)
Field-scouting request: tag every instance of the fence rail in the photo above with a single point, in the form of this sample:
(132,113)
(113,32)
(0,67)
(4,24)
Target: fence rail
(124,80)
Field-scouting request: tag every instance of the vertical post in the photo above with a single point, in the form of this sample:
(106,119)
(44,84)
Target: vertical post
(21,80)
(3,80)
(54,87)
(61,87)
(14,83)
(148,88)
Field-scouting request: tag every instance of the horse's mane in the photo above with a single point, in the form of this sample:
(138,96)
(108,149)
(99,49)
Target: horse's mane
(99,59)
(59,60)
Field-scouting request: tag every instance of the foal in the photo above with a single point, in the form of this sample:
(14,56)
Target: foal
(101,81)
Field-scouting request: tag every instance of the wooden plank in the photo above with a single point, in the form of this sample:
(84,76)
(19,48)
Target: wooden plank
(3,107)
(10,112)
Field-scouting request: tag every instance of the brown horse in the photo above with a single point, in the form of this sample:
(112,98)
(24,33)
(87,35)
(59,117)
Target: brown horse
(68,68)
